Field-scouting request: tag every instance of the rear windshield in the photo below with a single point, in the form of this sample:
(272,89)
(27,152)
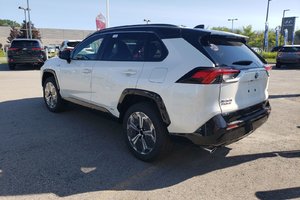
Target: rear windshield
(25,43)
(72,44)
(226,52)
(290,49)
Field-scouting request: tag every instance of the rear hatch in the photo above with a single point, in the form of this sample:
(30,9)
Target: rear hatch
(249,87)
(25,49)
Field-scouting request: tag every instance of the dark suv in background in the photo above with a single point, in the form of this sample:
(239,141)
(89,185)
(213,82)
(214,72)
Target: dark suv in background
(288,55)
(26,51)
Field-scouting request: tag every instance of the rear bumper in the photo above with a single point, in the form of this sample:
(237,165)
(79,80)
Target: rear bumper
(25,60)
(227,128)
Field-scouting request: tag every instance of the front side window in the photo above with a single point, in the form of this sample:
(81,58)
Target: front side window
(88,50)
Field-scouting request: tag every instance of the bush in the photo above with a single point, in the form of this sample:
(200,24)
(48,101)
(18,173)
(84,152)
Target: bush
(2,54)
(269,55)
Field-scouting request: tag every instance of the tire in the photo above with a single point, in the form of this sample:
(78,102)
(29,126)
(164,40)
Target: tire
(52,97)
(11,66)
(148,138)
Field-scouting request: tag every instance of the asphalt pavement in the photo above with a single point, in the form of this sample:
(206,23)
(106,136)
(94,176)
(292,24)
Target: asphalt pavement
(81,154)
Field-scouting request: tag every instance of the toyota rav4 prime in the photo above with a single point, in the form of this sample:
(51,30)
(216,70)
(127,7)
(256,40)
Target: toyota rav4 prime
(160,80)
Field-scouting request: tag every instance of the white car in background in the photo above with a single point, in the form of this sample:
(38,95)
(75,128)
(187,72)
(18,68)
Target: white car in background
(162,80)
(68,44)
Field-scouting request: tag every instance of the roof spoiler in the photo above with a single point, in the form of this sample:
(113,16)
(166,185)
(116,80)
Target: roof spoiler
(200,26)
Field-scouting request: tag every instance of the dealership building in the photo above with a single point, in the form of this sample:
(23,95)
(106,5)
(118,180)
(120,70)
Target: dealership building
(50,35)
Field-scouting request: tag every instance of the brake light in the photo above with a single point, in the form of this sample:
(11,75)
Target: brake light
(209,75)
(269,67)
(36,49)
(12,49)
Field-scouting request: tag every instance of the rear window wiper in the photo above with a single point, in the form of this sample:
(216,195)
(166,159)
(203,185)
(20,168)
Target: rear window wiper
(243,62)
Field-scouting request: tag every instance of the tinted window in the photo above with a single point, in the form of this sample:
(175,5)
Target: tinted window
(290,49)
(156,51)
(229,53)
(72,44)
(125,47)
(88,50)
(25,43)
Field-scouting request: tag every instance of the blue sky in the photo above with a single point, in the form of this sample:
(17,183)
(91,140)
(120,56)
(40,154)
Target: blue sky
(79,14)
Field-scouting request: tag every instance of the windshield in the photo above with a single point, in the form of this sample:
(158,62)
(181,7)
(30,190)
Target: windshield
(226,52)
(25,43)
(290,49)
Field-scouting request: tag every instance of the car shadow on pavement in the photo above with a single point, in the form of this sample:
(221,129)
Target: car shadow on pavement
(281,96)
(281,194)
(81,151)
(4,67)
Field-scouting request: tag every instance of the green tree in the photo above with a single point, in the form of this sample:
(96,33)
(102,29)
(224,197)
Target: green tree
(21,33)
(219,28)
(297,37)
(7,22)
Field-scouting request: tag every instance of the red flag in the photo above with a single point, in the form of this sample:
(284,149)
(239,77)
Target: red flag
(100,22)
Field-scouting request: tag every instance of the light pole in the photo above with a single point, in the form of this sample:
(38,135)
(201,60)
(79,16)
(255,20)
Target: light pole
(107,13)
(232,20)
(25,9)
(147,21)
(265,45)
(29,21)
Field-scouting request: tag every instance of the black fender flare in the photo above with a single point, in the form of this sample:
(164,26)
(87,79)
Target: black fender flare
(149,95)
(51,71)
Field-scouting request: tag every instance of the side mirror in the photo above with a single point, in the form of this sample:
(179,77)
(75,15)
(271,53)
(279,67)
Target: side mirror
(65,55)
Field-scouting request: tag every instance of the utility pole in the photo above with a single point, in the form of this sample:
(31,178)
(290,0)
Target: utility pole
(266,38)
(28,9)
(25,9)
(107,13)
(232,20)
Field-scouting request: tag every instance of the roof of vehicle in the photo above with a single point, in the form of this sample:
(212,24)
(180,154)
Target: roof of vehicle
(25,39)
(291,45)
(168,30)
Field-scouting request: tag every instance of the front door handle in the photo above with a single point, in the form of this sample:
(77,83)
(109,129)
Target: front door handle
(130,72)
(87,71)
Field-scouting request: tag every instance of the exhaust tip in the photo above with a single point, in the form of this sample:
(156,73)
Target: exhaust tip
(210,150)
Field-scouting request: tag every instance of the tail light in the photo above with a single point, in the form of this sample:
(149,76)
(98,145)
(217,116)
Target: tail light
(268,67)
(12,49)
(209,75)
(36,49)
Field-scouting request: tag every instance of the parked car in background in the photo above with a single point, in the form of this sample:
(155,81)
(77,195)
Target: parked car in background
(276,49)
(68,45)
(257,50)
(288,55)
(26,51)
(161,80)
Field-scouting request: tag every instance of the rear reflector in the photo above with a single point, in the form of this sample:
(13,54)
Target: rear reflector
(12,49)
(209,75)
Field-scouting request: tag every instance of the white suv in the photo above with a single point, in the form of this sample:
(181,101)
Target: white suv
(162,80)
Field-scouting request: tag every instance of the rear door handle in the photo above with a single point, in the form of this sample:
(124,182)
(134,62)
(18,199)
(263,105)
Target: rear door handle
(129,72)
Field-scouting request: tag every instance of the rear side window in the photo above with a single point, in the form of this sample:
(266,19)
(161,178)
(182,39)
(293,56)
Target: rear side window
(137,46)
(25,43)
(125,47)
(290,49)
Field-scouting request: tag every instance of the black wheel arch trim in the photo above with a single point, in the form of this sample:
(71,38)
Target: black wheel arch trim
(150,95)
(51,71)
